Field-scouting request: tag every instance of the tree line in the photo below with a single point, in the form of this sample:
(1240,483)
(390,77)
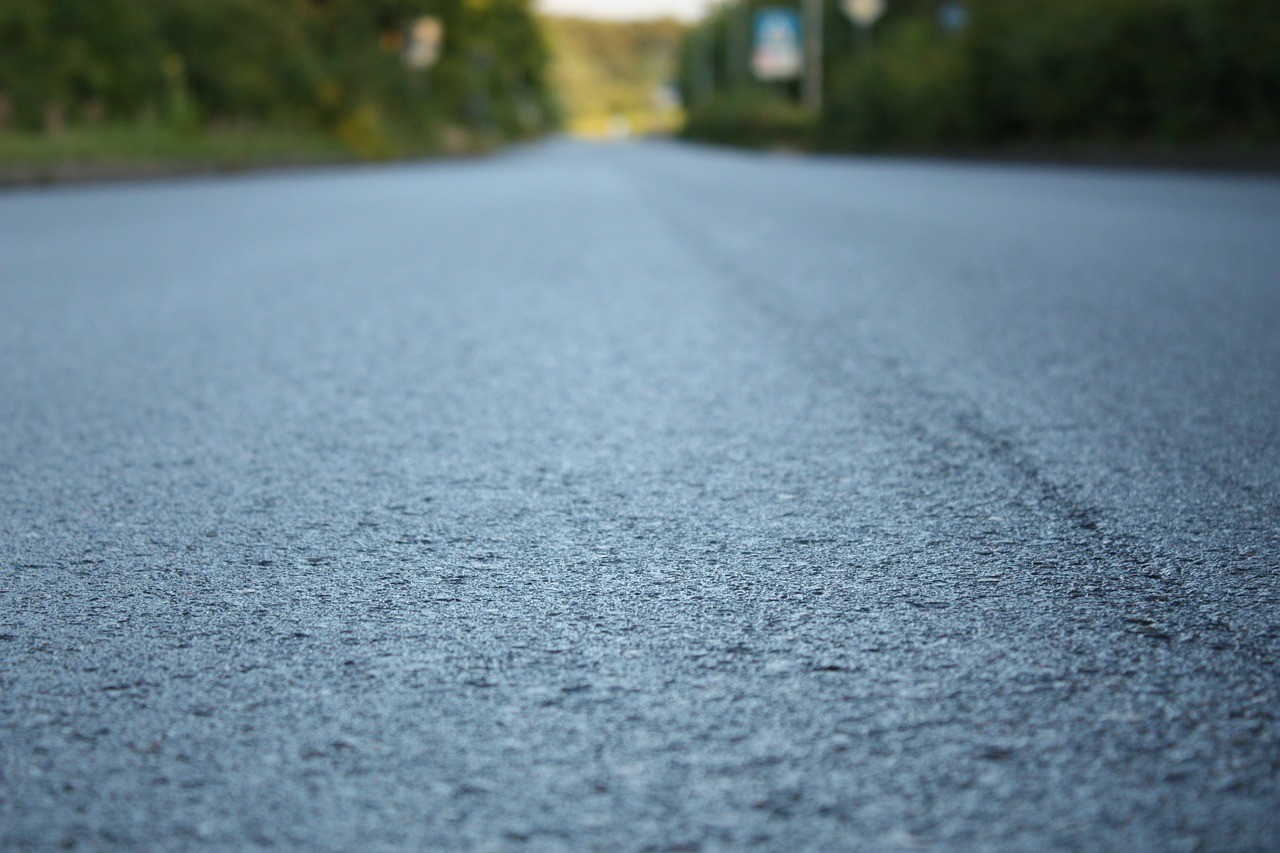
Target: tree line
(946,73)
(609,70)
(337,66)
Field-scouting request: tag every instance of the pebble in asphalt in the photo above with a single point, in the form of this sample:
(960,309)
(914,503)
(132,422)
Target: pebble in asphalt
(642,497)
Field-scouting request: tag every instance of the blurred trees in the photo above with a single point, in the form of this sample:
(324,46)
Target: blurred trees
(332,65)
(1176,70)
(609,70)
(1014,71)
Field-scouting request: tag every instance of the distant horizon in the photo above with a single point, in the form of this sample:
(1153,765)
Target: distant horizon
(625,10)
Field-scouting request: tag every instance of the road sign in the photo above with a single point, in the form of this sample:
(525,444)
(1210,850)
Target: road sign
(423,49)
(777,53)
(864,13)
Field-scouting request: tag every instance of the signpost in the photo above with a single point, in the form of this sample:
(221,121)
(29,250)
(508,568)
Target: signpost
(777,53)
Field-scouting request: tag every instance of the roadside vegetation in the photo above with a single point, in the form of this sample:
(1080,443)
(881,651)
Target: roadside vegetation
(615,77)
(237,82)
(1006,74)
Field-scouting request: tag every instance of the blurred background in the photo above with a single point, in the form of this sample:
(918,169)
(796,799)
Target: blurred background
(238,82)
(930,74)
(243,80)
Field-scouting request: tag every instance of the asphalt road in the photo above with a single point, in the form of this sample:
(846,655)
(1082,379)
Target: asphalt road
(642,497)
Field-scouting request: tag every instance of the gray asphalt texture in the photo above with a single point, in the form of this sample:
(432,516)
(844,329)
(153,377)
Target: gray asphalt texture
(642,497)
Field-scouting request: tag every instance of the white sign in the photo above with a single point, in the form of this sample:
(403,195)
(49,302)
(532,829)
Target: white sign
(864,13)
(423,49)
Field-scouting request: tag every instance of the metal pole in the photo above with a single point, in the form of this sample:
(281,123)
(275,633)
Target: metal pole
(736,55)
(812,86)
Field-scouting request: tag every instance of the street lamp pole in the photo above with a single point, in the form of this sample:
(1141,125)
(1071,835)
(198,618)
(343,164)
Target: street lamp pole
(864,14)
(736,42)
(812,83)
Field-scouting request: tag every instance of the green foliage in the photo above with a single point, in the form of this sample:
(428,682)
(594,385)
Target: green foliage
(66,55)
(1176,70)
(1033,71)
(121,144)
(335,66)
(755,118)
(912,90)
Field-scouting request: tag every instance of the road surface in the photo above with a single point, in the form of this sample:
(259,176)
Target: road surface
(642,497)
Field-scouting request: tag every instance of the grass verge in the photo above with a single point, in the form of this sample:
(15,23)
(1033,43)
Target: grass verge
(141,150)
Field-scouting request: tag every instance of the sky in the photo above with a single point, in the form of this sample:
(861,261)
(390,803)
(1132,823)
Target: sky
(625,9)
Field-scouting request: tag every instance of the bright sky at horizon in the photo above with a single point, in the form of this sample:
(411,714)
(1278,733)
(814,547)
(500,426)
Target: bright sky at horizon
(686,10)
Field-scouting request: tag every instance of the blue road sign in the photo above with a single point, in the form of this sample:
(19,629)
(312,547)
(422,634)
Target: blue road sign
(778,53)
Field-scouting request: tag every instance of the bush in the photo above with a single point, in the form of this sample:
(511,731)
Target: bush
(751,118)
(1035,71)
(1175,70)
(913,90)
